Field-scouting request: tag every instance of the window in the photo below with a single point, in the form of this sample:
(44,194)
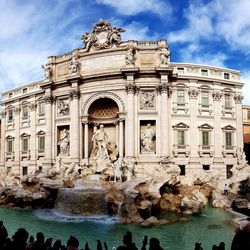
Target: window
(180,96)
(25,170)
(227,101)
(24,90)
(25,112)
(229,141)
(248,115)
(183,169)
(204,99)
(206,167)
(180,70)
(41,143)
(226,76)
(41,108)
(10,115)
(181,137)
(204,72)
(9,146)
(205,138)
(25,144)
(10,95)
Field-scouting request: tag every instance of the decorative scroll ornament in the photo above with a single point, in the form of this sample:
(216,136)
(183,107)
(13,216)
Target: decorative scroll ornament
(238,98)
(103,36)
(164,56)
(193,93)
(74,63)
(47,71)
(74,94)
(130,56)
(217,96)
(49,99)
(147,100)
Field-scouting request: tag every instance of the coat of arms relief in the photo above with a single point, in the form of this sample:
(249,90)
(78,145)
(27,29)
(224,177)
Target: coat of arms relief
(103,36)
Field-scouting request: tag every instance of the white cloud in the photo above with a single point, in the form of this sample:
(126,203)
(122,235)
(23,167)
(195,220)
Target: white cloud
(216,20)
(245,77)
(133,7)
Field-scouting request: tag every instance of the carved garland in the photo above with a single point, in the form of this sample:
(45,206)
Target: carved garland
(217,96)
(193,93)
(238,98)
(33,106)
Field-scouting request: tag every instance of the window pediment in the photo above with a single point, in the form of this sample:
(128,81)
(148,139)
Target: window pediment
(181,125)
(229,128)
(205,127)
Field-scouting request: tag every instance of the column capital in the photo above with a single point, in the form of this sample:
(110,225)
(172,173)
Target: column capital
(132,89)
(49,98)
(74,94)
(163,88)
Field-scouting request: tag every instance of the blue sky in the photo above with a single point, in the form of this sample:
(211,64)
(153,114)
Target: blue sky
(215,32)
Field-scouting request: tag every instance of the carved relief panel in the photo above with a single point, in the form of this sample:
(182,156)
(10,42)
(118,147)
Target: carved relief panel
(63,107)
(147,100)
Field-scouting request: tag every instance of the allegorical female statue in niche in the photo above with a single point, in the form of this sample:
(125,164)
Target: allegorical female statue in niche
(148,139)
(100,138)
(64,142)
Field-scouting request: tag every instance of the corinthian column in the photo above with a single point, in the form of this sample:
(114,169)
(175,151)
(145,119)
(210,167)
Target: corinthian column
(74,125)
(48,138)
(130,121)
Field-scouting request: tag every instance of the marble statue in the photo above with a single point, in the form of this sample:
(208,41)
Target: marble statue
(130,57)
(47,71)
(73,65)
(64,143)
(147,139)
(99,139)
(164,56)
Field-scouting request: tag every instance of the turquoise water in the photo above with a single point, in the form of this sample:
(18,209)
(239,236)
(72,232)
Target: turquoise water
(212,227)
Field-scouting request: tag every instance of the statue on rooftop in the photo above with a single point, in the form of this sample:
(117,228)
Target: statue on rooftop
(103,36)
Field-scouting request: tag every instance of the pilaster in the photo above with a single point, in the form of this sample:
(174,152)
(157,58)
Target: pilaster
(74,123)
(217,127)
(17,140)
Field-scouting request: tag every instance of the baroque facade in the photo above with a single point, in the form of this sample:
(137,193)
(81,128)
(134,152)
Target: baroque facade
(116,99)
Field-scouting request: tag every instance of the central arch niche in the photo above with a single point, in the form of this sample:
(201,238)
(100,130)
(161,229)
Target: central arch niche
(103,111)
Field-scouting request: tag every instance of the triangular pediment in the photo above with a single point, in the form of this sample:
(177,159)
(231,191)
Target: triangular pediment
(229,127)
(181,125)
(205,126)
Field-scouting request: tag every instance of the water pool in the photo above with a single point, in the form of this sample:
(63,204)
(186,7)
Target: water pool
(212,227)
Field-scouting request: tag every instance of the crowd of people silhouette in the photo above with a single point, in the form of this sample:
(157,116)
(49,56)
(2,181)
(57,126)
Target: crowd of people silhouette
(22,241)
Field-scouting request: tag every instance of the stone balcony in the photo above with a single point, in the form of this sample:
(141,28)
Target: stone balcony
(181,150)
(229,150)
(9,156)
(206,150)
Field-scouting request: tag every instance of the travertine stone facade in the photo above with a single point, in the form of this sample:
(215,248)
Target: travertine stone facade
(151,109)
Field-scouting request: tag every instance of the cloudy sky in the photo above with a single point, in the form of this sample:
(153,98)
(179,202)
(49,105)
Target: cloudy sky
(215,32)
